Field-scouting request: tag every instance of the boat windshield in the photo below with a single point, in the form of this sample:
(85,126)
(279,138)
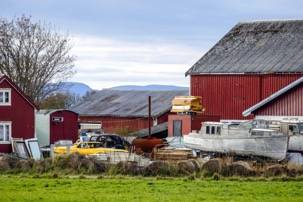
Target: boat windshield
(300,127)
(246,125)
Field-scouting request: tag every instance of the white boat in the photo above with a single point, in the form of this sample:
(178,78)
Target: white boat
(240,139)
(294,129)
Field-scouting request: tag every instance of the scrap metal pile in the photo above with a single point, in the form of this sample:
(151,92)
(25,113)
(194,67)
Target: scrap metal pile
(26,149)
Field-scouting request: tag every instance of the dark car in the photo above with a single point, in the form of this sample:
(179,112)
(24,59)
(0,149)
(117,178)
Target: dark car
(111,141)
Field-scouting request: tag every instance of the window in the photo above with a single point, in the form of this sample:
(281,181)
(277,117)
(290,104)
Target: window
(5,96)
(218,130)
(213,129)
(207,130)
(5,131)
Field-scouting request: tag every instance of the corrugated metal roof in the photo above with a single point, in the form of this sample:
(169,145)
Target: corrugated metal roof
(154,130)
(272,97)
(256,47)
(126,103)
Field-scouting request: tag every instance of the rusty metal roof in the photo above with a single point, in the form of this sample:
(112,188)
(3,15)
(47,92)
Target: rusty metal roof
(256,47)
(126,103)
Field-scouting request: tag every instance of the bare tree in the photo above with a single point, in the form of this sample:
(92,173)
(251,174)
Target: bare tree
(35,57)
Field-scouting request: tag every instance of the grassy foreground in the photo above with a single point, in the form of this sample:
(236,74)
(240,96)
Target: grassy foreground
(15,188)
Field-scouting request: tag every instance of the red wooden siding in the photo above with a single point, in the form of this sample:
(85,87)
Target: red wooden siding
(66,130)
(289,104)
(228,96)
(114,124)
(22,115)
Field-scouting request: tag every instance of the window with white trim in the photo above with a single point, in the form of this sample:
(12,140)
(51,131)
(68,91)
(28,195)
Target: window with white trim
(5,96)
(5,131)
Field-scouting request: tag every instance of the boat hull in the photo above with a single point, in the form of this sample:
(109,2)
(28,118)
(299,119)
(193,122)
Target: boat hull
(274,147)
(295,143)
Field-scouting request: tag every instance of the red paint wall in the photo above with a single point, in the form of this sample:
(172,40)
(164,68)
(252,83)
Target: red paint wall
(114,124)
(22,115)
(66,130)
(228,96)
(289,104)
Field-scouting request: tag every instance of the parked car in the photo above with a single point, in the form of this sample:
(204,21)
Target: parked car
(86,148)
(111,141)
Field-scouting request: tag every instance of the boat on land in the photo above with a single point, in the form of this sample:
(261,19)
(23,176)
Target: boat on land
(244,138)
(294,129)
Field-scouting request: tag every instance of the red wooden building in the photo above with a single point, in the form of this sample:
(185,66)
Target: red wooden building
(125,111)
(283,104)
(17,114)
(252,61)
(55,125)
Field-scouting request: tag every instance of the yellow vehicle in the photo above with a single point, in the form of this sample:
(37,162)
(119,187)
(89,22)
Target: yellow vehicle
(86,148)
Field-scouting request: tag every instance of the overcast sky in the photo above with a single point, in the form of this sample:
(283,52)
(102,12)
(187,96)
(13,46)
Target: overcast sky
(144,42)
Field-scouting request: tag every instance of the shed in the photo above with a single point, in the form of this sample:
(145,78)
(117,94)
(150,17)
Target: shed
(251,62)
(17,114)
(281,105)
(125,111)
(55,125)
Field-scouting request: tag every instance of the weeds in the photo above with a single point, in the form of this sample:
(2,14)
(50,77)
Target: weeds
(214,169)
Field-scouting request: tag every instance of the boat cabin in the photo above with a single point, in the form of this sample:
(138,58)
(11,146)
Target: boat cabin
(212,128)
(248,128)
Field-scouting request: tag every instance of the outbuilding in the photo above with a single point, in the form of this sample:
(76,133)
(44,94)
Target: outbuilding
(285,104)
(55,125)
(17,114)
(251,62)
(125,111)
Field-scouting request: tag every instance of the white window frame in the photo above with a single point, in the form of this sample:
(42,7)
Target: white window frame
(4,123)
(9,91)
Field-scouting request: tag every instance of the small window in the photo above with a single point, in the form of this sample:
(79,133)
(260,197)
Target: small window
(207,130)
(5,132)
(213,130)
(5,97)
(218,130)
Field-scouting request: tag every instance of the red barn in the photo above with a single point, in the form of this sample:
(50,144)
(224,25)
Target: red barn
(17,114)
(55,125)
(283,104)
(125,111)
(252,61)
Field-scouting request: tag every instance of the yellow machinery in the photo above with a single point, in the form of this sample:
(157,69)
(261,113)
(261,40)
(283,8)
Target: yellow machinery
(86,148)
(183,104)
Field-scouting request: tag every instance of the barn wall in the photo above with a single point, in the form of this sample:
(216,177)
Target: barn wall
(228,96)
(21,114)
(66,130)
(289,104)
(115,124)
(163,118)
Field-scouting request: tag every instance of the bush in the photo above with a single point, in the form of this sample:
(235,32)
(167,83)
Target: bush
(275,170)
(160,168)
(239,168)
(212,166)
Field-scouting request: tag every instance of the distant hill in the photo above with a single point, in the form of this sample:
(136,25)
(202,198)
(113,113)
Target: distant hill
(150,88)
(76,88)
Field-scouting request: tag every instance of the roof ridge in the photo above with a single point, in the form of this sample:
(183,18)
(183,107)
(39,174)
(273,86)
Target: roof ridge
(269,21)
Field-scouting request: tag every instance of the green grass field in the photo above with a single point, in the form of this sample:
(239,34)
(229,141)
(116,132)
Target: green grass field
(16,188)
